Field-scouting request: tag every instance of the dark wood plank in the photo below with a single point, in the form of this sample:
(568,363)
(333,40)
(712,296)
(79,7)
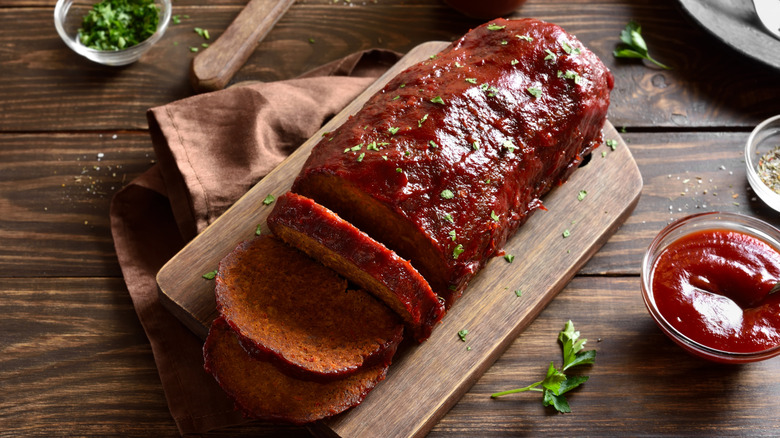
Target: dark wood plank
(55,192)
(705,89)
(684,173)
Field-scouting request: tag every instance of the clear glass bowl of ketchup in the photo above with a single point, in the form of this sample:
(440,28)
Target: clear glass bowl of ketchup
(707,280)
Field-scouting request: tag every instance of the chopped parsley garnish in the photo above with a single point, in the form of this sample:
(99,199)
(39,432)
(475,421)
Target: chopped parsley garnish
(356,147)
(361,156)
(258,230)
(393,130)
(475,145)
(398,169)
(462,334)
(493,26)
(494,216)
(524,37)
(269,199)
(581,195)
(566,233)
(535,92)
(447,194)
(372,146)
(457,251)
(471,80)
(569,49)
(514,62)
(556,383)
(204,33)
(448,217)
(433,144)
(611,143)
(509,258)
(453,235)
(396,97)
(118,24)
(457,64)
(421,121)
(437,99)
(509,145)
(210,275)
(519,293)
(550,56)
(570,75)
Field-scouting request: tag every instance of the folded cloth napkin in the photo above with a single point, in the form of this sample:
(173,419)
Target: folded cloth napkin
(211,149)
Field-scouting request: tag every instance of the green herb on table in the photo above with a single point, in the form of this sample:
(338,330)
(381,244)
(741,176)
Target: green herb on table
(566,233)
(269,199)
(119,24)
(210,275)
(519,293)
(581,195)
(633,45)
(509,258)
(204,33)
(258,229)
(556,383)
(612,144)
(462,334)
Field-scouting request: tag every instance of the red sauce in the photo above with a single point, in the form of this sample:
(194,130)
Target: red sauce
(713,287)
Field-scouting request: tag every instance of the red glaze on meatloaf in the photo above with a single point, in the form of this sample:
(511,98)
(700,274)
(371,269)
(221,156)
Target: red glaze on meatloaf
(326,237)
(450,158)
(287,308)
(261,391)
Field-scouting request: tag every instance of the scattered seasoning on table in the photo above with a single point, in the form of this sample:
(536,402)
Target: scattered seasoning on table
(119,24)
(509,258)
(462,334)
(210,275)
(769,169)
(268,199)
(519,293)
(258,230)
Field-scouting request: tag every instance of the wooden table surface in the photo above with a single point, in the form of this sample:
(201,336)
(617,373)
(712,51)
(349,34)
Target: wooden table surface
(74,359)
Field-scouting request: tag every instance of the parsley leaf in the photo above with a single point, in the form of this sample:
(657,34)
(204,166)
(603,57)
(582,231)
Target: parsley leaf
(447,194)
(462,334)
(210,275)
(437,99)
(269,199)
(555,382)
(493,26)
(633,45)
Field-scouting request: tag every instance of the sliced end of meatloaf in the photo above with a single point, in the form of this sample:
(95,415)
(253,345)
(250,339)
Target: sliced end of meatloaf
(261,391)
(290,309)
(339,245)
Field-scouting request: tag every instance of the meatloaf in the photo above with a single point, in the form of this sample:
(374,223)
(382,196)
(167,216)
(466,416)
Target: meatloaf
(293,311)
(261,391)
(453,154)
(312,228)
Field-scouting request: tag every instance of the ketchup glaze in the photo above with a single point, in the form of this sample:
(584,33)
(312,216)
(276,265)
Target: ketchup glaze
(708,286)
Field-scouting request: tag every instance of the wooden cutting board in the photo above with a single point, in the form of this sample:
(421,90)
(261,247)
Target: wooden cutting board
(426,380)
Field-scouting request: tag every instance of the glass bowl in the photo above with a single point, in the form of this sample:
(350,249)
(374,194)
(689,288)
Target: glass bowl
(68,16)
(764,138)
(684,227)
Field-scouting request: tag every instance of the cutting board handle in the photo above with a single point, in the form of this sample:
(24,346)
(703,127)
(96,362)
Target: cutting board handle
(213,68)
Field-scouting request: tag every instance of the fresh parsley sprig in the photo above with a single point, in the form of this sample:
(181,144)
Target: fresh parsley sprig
(556,383)
(634,45)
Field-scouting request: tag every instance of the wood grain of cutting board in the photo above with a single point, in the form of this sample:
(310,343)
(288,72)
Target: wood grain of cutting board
(426,380)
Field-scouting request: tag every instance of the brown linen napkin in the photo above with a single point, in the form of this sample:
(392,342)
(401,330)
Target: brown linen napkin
(211,149)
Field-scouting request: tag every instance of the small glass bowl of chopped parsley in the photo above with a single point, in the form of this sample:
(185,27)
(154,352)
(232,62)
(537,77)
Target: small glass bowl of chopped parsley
(762,157)
(111,32)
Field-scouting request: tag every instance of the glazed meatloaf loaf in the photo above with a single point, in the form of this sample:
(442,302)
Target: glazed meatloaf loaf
(322,234)
(261,391)
(453,154)
(292,311)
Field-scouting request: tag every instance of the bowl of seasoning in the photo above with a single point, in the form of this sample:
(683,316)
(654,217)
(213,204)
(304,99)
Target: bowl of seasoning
(762,157)
(112,32)
(709,282)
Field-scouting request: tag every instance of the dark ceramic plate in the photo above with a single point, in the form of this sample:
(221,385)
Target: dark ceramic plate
(736,24)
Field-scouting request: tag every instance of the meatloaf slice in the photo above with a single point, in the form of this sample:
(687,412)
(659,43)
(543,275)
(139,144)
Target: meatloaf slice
(446,161)
(287,308)
(326,237)
(261,391)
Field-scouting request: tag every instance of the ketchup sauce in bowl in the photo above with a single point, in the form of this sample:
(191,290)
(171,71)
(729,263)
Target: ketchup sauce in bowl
(706,281)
